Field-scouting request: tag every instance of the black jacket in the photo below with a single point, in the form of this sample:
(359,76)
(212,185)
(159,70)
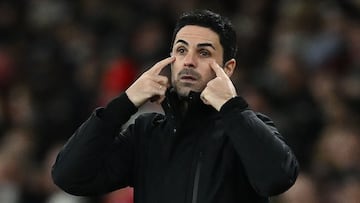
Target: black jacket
(205,156)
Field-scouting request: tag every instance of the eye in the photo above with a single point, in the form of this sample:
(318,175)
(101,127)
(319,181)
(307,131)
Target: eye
(204,53)
(180,50)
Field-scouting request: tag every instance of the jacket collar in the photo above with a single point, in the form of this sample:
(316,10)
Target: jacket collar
(196,108)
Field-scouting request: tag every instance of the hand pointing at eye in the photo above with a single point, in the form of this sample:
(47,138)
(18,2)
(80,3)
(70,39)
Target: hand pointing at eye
(150,84)
(218,90)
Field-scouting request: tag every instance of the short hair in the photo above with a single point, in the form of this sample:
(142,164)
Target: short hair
(217,23)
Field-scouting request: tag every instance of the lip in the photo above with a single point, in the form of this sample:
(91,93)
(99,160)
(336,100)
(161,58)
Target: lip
(188,75)
(188,78)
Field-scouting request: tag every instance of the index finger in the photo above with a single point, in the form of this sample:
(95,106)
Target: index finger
(218,70)
(156,69)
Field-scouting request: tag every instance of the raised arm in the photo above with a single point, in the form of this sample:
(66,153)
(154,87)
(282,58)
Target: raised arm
(269,163)
(97,158)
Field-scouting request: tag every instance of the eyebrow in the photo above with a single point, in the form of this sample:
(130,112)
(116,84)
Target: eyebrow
(199,45)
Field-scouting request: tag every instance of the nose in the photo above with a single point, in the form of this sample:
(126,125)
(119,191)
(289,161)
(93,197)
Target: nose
(190,60)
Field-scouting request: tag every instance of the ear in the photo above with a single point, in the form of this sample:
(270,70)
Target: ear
(229,67)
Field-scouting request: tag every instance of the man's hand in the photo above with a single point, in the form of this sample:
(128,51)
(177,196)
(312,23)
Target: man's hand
(218,90)
(150,84)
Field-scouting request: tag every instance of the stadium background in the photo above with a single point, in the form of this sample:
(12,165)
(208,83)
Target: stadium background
(298,62)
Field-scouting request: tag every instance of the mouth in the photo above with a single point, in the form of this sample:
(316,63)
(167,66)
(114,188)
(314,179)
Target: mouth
(188,78)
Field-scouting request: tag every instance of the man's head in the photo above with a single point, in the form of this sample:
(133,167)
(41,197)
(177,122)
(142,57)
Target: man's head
(217,23)
(199,38)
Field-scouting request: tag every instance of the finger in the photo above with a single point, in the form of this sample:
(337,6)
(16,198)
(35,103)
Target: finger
(202,97)
(219,71)
(161,79)
(156,69)
(158,88)
(160,99)
(159,92)
(155,98)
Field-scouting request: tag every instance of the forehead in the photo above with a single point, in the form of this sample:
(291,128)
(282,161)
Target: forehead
(194,34)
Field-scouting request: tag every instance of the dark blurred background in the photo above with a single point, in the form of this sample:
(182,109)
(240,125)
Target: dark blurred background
(298,62)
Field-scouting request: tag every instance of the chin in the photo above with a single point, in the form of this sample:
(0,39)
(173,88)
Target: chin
(183,91)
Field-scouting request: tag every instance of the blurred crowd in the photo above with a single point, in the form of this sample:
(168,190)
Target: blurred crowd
(298,62)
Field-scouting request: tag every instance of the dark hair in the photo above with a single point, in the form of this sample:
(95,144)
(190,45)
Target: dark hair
(217,23)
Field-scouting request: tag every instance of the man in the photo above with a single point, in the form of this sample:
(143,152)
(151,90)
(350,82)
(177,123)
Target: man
(208,147)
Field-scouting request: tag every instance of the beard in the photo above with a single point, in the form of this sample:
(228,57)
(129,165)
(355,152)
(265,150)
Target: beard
(189,72)
(183,88)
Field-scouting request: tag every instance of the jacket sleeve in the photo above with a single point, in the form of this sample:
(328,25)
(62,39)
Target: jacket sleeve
(97,158)
(270,164)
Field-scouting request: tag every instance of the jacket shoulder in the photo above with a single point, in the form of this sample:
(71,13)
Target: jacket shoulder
(266,119)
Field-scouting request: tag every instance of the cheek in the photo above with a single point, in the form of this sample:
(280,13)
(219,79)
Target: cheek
(208,77)
(207,73)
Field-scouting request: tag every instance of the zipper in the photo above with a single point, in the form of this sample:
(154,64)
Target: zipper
(197,179)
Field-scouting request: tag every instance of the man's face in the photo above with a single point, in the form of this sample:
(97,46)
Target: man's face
(194,48)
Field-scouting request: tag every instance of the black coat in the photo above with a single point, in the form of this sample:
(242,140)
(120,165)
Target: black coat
(205,156)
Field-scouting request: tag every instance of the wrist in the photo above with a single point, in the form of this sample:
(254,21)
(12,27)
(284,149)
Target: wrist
(133,99)
(115,110)
(237,102)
